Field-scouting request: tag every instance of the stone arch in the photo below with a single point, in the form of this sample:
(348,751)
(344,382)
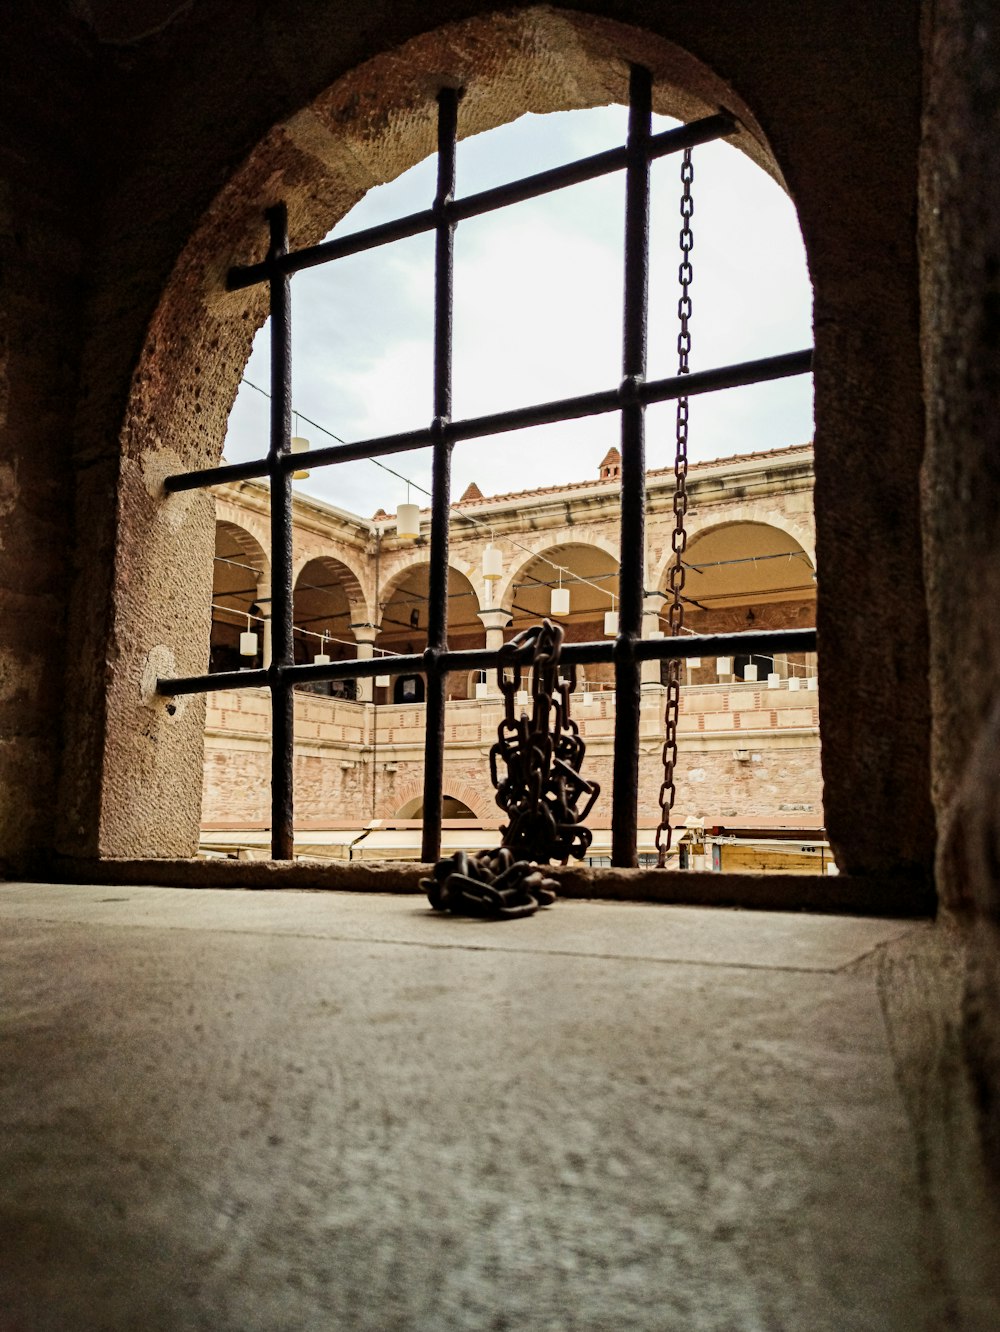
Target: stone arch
(401,613)
(794,532)
(801,530)
(743,575)
(410,792)
(241,595)
(250,517)
(248,545)
(367,127)
(326,598)
(350,578)
(542,545)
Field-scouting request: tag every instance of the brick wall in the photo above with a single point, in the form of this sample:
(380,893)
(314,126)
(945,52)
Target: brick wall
(356,762)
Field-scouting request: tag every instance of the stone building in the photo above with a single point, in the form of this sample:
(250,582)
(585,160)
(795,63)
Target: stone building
(750,754)
(167,1165)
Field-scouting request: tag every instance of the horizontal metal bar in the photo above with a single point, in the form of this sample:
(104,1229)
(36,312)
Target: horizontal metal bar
(751,643)
(486,201)
(754,642)
(591,168)
(208,684)
(740,375)
(520,418)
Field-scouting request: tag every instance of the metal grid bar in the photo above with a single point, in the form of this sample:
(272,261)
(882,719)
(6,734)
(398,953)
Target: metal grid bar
(487,201)
(631,565)
(754,642)
(497,423)
(437,598)
(282,631)
(630,398)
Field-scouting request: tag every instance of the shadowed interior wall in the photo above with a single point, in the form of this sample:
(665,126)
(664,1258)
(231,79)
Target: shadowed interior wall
(960,236)
(189,154)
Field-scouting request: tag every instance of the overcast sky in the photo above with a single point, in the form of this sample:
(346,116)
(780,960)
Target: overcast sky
(538,309)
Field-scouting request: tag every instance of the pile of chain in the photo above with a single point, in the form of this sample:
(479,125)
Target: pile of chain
(490,883)
(541,792)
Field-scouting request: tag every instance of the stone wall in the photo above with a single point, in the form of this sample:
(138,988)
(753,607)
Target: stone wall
(358,761)
(960,237)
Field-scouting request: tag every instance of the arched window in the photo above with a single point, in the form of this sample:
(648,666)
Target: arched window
(628,401)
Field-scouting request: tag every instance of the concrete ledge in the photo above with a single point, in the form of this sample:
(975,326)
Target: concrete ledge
(882,895)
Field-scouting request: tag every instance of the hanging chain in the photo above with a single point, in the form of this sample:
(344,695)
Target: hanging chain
(543,754)
(542,791)
(678,572)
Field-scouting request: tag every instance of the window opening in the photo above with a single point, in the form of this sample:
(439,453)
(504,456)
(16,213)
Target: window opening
(629,399)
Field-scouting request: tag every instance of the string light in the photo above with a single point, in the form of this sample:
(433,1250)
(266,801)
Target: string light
(560,595)
(466,517)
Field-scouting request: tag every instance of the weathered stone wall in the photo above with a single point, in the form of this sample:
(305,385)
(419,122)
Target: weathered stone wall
(206,122)
(358,761)
(44,216)
(960,239)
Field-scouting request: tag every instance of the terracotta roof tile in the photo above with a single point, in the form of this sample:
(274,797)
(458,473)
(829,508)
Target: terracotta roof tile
(704,464)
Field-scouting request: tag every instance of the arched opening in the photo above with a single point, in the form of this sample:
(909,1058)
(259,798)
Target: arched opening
(452,808)
(586,578)
(240,600)
(745,576)
(323,619)
(403,608)
(595,77)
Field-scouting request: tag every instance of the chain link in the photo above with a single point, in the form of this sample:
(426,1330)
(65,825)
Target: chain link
(542,753)
(541,792)
(678,540)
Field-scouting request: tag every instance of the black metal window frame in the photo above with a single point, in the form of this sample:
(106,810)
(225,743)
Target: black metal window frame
(630,399)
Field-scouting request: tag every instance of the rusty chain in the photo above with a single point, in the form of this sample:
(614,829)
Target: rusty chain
(678,541)
(541,792)
(542,753)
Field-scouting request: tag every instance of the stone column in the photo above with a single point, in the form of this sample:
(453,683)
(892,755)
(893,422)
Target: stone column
(264,602)
(651,607)
(494,622)
(366,635)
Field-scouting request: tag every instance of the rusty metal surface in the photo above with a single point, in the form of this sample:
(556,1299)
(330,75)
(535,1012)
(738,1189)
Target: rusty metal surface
(491,884)
(738,375)
(678,539)
(632,534)
(437,608)
(282,633)
(543,790)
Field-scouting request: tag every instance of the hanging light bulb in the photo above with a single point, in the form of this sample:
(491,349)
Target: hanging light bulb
(408,519)
(773,680)
(559,601)
(750,671)
(248,641)
(383,681)
(322,657)
(299,445)
(812,683)
(611,621)
(794,684)
(723,666)
(522,698)
(694,663)
(492,563)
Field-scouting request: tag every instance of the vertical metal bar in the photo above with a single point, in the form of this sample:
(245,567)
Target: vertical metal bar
(625,794)
(437,609)
(282,653)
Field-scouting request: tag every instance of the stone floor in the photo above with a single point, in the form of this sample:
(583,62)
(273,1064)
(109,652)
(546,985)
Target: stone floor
(234,1111)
